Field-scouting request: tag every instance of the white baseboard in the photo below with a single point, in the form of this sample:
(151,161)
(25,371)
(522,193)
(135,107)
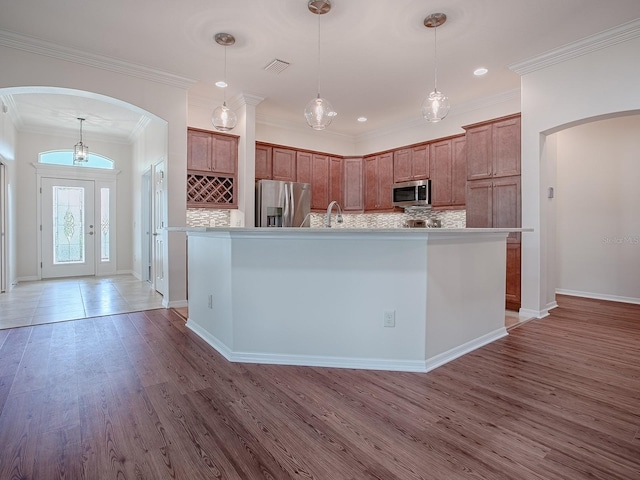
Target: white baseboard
(525,312)
(418,366)
(445,357)
(27,279)
(177,304)
(598,296)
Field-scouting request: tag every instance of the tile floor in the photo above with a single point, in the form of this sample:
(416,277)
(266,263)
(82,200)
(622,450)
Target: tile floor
(48,301)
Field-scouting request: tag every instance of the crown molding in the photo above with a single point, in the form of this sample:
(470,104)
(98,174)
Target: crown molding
(613,36)
(243,99)
(47,49)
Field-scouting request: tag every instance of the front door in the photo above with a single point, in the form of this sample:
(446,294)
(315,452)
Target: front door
(68,227)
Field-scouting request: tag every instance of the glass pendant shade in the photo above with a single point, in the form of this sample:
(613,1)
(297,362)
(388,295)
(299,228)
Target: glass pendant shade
(223,118)
(319,113)
(80,150)
(435,107)
(80,153)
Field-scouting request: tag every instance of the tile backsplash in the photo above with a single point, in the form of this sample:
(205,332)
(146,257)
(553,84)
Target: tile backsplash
(207,217)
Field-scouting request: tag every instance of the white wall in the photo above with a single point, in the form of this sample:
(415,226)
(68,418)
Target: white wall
(29,145)
(164,98)
(8,136)
(598,209)
(593,85)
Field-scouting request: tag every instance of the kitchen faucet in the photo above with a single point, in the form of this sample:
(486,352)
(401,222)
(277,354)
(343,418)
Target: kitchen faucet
(327,222)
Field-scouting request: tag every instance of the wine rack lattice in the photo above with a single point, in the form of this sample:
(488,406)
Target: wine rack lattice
(209,189)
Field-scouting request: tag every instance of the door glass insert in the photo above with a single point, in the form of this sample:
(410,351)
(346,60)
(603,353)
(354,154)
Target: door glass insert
(104,224)
(68,221)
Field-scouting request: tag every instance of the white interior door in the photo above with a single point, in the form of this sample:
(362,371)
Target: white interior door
(68,227)
(158,229)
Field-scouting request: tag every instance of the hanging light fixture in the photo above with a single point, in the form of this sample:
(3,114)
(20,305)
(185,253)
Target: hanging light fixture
(319,113)
(80,151)
(436,105)
(223,118)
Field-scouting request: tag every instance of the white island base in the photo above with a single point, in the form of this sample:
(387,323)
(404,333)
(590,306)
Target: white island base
(320,297)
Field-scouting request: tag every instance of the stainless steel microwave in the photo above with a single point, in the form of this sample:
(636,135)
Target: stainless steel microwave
(412,194)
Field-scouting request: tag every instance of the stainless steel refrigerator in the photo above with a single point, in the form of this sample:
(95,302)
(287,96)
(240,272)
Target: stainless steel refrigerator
(282,204)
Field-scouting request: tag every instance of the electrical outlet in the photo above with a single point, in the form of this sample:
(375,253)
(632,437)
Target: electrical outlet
(390,318)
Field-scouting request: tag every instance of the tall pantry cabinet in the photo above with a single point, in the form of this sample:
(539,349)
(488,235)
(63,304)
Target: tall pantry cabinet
(494,189)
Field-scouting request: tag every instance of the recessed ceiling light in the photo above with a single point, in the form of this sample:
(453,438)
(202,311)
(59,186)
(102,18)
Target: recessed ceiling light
(478,72)
(221,84)
(362,119)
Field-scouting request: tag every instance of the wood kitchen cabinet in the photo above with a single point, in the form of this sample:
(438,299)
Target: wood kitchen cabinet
(284,164)
(493,148)
(212,165)
(513,288)
(211,152)
(411,163)
(378,182)
(448,172)
(495,203)
(352,196)
(324,173)
(264,162)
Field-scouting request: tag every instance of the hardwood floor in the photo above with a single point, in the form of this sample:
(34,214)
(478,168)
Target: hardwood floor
(140,396)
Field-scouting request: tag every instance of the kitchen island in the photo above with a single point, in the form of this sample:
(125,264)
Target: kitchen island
(396,299)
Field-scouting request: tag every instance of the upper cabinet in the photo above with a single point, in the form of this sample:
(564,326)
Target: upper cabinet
(284,164)
(211,152)
(493,148)
(411,163)
(212,165)
(264,162)
(352,194)
(378,182)
(324,173)
(448,172)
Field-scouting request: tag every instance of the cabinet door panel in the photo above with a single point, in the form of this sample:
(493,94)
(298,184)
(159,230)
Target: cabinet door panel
(370,183)
(479,204)
(513,281)
(320,182)
(336,180)
(506,206)
(353,195)
(420,162)
(506,147)
(284,164)
(479,152)
(402,165)
(459,171)
(263,162)
(224,154)
(385,181)
(441,187)
(303,168)
(199,151)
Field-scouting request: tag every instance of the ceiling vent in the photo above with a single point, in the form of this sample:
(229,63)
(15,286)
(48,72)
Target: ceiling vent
(276,66)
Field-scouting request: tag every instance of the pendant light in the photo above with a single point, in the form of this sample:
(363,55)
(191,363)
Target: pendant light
(223,118)
(80,151)
(436,105)
(319,113)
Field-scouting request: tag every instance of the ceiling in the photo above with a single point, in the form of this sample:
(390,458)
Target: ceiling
(377,58)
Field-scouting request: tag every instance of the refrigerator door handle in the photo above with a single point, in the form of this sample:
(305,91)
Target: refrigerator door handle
(287,207)
(292,210)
